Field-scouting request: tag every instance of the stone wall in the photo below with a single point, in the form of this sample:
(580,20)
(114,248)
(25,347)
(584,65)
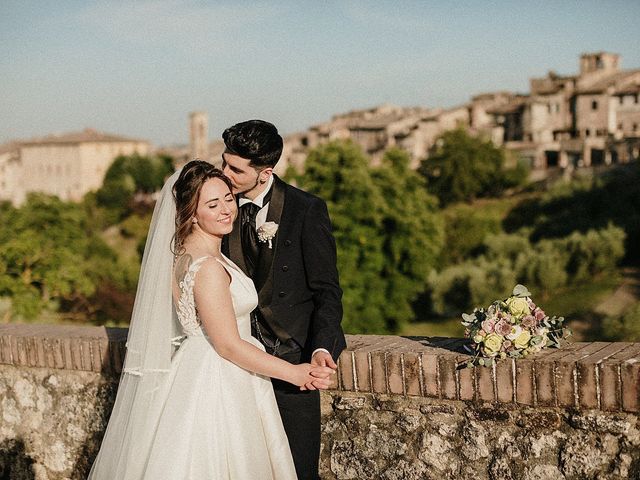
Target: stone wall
(400,410)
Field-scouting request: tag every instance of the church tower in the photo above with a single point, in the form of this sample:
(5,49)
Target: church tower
(199,135)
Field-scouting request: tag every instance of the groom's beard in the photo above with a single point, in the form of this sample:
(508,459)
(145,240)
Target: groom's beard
(243,192)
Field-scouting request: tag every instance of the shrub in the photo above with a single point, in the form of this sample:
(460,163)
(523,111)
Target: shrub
(624,328)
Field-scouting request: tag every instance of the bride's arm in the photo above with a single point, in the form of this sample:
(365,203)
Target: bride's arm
(215,309)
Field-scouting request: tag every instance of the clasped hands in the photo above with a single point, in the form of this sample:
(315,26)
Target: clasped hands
(322,370)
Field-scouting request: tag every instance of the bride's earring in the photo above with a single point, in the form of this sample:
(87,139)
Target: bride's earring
(194,220)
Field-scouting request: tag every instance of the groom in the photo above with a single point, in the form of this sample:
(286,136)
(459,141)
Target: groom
(282,240)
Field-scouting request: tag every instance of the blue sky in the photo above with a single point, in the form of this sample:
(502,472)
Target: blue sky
(138,68)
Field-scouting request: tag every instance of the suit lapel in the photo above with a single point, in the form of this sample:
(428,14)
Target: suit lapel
(235,245)
(264,270)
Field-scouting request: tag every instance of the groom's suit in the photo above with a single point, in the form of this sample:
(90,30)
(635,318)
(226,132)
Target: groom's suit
(299,304)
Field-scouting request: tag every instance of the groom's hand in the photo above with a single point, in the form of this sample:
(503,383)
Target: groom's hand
(321,359)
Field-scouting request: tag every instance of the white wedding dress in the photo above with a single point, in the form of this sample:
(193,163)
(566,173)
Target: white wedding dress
(218,420)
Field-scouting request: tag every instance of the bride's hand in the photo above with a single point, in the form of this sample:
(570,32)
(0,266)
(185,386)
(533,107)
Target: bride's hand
(306,374)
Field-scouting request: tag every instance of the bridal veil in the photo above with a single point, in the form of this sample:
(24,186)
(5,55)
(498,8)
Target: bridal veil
(153,332)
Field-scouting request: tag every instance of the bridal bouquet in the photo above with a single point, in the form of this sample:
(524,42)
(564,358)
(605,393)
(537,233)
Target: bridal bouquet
(514,327)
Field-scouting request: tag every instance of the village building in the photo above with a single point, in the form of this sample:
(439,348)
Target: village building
(68,165)
(565,121)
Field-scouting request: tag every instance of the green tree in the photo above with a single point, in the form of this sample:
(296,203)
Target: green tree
(383,253)
(413,234)
(52,258)
(463,167)
(128,176)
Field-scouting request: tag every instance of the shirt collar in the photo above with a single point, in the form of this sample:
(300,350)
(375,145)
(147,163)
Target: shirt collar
(260,198)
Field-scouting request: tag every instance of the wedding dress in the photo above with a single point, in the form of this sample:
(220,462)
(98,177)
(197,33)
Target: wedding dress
(219,421)
(188,414)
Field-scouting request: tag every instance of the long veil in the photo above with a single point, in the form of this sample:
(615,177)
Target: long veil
(152,334)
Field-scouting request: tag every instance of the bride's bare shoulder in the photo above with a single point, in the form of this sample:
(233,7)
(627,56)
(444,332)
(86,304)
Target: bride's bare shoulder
(212,272)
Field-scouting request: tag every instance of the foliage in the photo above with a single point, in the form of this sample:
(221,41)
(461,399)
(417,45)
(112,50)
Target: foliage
(463,167)
(466,229)
(625,328)
(510,258)
(52,258)
(589,204)
(387,231)
(412,234)
(128,176)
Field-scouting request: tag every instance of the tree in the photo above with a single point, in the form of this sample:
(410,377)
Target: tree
(463,167)
(413,234)
(128,176)
(383,251)
(52,258)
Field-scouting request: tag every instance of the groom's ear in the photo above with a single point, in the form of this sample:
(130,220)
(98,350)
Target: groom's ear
(264,175)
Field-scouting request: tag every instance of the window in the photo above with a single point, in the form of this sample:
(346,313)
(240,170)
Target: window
(594,105)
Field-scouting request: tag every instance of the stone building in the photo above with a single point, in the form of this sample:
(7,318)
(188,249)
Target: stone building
(199,135)
(570,121)
(567,121)
(67,165)
(377,129)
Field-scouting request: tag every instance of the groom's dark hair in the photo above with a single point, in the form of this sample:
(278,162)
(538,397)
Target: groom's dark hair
(256,140)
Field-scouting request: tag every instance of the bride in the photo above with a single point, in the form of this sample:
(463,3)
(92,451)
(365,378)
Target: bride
(194,400)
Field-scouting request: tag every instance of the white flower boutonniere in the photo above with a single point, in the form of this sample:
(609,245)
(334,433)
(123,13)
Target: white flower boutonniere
(267,232)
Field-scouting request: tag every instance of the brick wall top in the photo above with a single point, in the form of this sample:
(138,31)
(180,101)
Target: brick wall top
(583,375)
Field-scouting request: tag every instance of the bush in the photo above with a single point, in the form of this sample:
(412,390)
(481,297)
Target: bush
(466,229)
(545,267)
(594,252)
(625,328)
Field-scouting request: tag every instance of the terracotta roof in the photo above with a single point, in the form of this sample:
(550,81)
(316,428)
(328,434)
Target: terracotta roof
(87,135)
(628,90)
(9,147)
(602,83)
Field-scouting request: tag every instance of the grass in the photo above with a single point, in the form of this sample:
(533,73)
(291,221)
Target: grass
(450,327)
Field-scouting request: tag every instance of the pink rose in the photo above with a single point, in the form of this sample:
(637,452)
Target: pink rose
(539,314)
(506,345)
(529,321)
(503,328)
(488,326)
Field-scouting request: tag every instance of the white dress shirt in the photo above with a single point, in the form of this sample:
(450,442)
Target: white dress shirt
(261,218)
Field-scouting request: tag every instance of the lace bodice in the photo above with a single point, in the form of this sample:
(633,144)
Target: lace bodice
(243,296)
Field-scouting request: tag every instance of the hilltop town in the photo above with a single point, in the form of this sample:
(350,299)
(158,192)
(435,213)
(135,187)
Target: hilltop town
(590,118)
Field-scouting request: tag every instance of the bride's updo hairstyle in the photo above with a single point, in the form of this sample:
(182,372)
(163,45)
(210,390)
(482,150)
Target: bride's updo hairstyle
(186,192)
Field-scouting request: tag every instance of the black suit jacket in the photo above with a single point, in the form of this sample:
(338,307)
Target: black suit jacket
(299,294)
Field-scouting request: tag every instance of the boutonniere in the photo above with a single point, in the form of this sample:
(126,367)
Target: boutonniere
(267,232)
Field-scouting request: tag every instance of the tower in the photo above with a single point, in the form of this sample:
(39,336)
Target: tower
(199,135)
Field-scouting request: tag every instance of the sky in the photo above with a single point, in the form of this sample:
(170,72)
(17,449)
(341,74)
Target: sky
(137,68)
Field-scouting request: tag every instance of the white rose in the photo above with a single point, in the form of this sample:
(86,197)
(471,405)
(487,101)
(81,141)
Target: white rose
(267,232)
(515,332)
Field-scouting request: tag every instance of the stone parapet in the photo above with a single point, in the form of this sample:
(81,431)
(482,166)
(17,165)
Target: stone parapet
(400,409)
(589,375)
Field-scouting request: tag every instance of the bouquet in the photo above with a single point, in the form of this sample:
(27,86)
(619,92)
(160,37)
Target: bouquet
(515,327)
